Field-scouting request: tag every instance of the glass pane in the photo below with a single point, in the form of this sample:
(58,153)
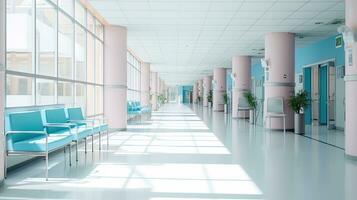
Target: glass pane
(19,91)
(90,100)
(20,39)
(65,46)
(80,97)
(90,58)
(67,6)
(45,92)
(90,22)
(65,93)
(98,29)
(80,13)
(46,19)
(98,100)
(99,62)
(80,63)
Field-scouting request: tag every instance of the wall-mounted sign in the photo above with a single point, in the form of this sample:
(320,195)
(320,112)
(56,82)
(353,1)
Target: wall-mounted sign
(338,41)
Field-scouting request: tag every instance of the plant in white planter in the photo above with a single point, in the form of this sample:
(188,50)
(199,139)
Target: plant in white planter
(297,103)
(225,101)
(252,102)
(209,98)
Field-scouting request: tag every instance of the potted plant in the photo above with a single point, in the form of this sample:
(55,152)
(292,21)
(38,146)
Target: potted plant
(199,100)
(225,101)
(209,98)
(297,103)
(252,102)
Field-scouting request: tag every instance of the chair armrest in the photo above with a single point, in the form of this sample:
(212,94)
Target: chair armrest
(26,132)
(59,125)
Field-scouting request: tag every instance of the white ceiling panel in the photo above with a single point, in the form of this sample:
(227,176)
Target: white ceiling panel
(185,39)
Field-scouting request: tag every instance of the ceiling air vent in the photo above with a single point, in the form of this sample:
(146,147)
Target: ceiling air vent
(336,22)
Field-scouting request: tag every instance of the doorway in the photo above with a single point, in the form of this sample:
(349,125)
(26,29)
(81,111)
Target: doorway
(319,83)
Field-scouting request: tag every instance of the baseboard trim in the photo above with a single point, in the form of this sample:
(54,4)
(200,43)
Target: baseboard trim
(350,157)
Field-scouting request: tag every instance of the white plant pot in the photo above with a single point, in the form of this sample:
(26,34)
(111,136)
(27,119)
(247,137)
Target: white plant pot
(299,125)
(225,108)
(251,117)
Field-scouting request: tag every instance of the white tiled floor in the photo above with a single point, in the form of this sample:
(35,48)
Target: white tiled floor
(180,155)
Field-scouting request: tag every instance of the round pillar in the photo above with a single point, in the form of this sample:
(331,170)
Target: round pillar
(241,82)
(145,84)
(351,83)
(195,92)
(219,88)
(207,82)
(154,91)
(200,90)
(115,80)
(280,75)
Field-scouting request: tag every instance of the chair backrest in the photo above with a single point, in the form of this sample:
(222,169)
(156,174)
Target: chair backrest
(275,105)
(75,113)
(57,115)
(25,121)
(243,103)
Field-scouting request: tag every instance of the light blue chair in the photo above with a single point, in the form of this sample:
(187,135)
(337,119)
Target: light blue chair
(75,115)
(28,135)
(275,109)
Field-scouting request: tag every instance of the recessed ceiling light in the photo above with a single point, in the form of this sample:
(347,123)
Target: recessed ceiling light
(318,23)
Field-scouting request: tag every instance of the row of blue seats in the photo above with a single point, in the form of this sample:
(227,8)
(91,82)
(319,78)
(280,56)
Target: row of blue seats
(135,108)
(41,132)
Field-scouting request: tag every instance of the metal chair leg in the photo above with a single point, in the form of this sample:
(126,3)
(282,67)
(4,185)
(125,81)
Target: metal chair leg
(5,165)
(46,166)
(92,143)
(70,155)
(100,140)
(85,145)
(107,139)
(77,151)
(269,124)
(284,125)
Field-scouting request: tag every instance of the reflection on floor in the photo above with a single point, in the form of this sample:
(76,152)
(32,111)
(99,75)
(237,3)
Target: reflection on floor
(200,155)
(323,134)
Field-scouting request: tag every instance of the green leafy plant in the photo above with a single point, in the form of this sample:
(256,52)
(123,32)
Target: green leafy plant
(251,100)
(225,98)
(199,99)
(161,99)
(298,101)
(210,96)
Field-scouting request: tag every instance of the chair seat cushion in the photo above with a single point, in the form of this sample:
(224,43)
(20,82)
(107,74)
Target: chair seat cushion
(38,144)
(83,132)
(275,115)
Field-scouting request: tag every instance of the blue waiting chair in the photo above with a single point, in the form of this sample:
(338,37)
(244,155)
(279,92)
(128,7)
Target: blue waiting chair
(75,115)
(28,135)
(57,122)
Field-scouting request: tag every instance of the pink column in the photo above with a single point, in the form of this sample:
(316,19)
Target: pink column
(2,88)
(195,92)
(115,84)
(154,91)
(200,89)
(219,88)
(280,80)
(145,84)
(242,82)
(351,83)
(207,82)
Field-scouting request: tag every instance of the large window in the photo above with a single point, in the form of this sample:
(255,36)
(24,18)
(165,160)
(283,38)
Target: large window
(54,55)
(133,78)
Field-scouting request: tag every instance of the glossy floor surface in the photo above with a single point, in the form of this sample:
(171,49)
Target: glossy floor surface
(192,153)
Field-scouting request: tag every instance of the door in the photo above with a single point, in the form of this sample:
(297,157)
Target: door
(308,89)
(323,94)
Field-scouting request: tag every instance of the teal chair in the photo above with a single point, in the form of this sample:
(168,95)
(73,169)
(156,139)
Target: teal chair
(75,115)
(28,135)
(57,122)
